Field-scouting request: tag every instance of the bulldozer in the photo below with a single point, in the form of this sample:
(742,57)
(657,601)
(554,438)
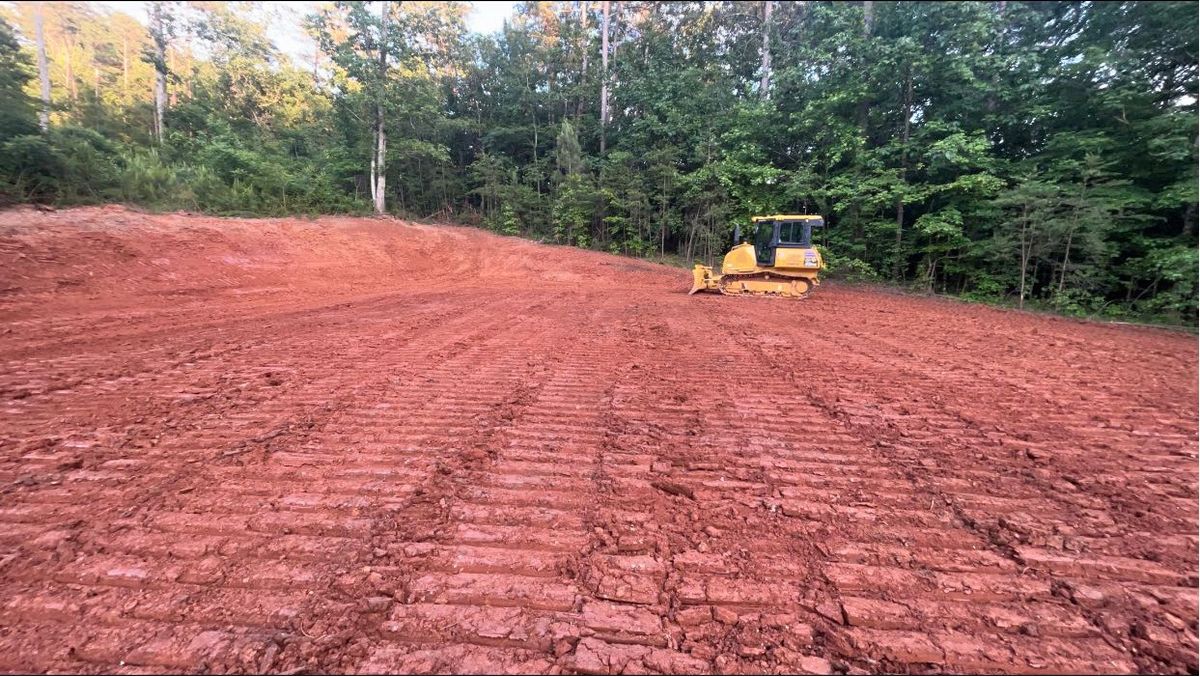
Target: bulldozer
(780,261)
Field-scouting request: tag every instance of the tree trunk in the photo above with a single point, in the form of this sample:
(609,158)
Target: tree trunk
(533,118)
(583,28)
(177,63)
(867,26)
(43,67)
(125,69)
(864,119)
(95,75)
(159,37)
(764,85)
(990,103)
(1062,275)
(604,75)
(70,68)
(1026,246)
(662,220)
(908,96)
(379,163)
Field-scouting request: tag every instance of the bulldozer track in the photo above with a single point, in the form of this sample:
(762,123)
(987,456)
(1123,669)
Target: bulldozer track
(354,445)
(727,279)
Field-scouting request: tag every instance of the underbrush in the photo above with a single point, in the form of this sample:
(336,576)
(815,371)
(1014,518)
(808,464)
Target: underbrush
(77,166)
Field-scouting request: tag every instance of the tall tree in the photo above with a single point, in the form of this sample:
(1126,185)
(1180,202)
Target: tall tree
(906,126)
(159,35)
(583,53)
(764,86)
(379,160)
(604,77)
(16,106)
(43,66)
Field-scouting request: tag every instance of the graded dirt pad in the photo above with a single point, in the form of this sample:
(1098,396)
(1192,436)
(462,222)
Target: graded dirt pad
(359,445)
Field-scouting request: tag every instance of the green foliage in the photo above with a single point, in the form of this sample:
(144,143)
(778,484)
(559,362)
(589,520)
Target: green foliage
(30,167)
(987,289)
(18,116)
(574,207)
(90,166)
(509,225)
(847,267)
(146,179)
(567,154)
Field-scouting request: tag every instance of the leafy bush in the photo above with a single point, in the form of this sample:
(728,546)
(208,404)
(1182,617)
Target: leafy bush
(985,289)
(847,268)
(31,167)
(1076,302)
(90,165)
(509,225)
(147,180)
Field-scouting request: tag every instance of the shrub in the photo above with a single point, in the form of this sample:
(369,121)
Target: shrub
(847,268)
(146,179)
(31,167)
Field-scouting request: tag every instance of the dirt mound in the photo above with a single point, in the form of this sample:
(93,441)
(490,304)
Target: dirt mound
(363,445)
(105,255)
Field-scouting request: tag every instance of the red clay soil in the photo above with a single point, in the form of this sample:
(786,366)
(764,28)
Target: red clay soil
(354,445)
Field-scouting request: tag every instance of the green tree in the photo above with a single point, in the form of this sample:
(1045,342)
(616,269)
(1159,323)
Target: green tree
(17,109)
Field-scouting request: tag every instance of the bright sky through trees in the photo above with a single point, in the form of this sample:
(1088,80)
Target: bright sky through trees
(486,16)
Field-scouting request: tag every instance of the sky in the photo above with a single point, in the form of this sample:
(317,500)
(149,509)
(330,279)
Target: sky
(485,17)
(488,17)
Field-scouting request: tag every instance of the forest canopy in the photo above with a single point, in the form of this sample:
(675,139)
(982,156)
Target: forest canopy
(1039,154)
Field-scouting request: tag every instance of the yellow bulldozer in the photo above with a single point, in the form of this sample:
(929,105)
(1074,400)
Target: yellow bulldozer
(780,261)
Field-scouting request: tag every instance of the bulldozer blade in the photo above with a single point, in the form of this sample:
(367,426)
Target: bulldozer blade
(702,279)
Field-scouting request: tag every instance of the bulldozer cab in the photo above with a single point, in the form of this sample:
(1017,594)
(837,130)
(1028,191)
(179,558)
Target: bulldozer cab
(788,231)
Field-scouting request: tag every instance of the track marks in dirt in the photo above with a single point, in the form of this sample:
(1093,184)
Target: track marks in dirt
(382,448)
(1027,514)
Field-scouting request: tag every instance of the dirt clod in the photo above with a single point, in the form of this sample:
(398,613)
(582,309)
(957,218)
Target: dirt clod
(673,488)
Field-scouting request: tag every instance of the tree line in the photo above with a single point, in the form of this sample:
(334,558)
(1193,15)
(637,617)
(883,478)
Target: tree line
(1039,154)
